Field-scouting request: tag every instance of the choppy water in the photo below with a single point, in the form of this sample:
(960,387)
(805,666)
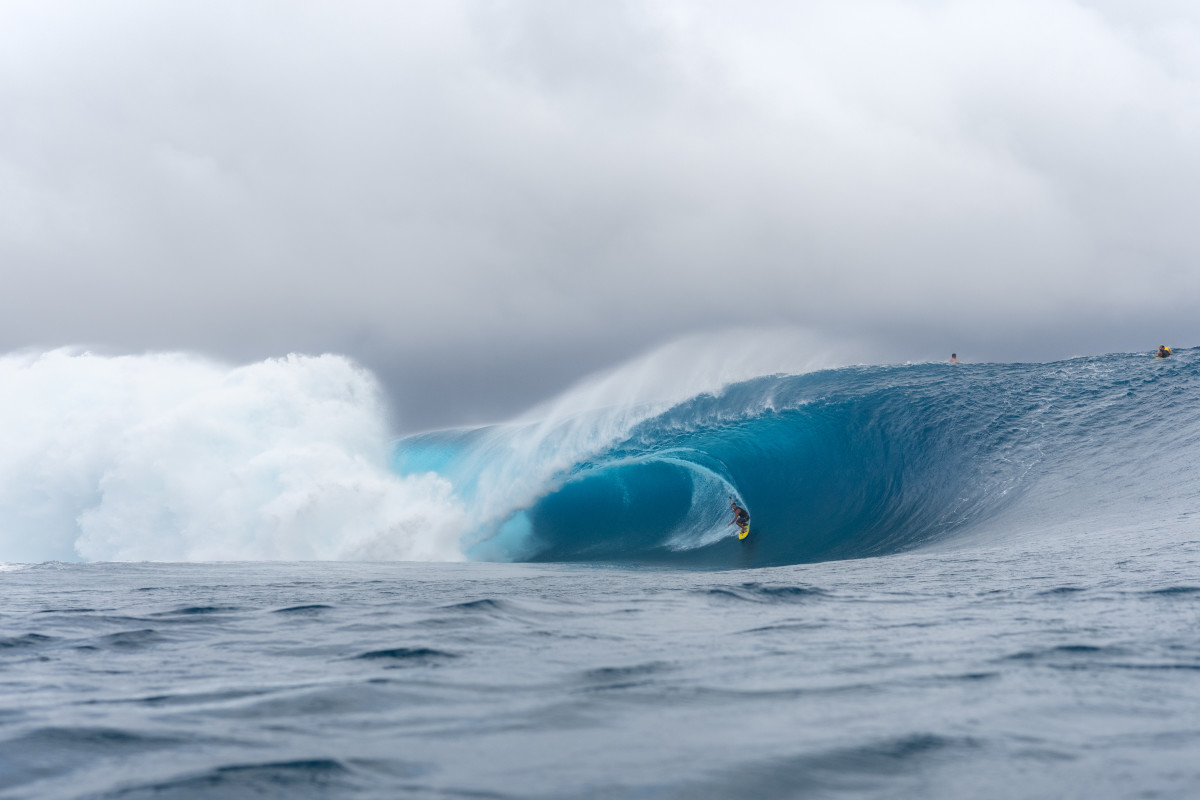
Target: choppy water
(1039,667)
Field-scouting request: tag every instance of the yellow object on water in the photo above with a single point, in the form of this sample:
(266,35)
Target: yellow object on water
(744,531)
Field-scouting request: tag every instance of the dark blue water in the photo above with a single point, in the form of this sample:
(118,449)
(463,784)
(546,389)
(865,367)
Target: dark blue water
(975,581)
(846,463)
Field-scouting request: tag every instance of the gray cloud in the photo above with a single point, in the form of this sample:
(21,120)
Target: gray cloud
(484,201)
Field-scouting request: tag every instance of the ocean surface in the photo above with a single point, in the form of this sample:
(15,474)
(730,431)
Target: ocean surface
(961,581)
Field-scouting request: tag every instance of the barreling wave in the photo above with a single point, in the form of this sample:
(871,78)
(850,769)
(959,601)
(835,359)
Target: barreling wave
(834,464)
(172,457)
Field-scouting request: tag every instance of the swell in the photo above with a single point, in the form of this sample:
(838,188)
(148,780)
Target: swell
(846,463)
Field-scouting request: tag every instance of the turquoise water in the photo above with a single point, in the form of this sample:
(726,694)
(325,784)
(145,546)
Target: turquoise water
(846,463)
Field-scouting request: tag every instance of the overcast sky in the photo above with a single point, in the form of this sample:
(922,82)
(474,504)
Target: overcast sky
(483,201)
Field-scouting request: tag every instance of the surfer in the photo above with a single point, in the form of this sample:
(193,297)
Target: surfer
(1163,351)
(954,358)
(741,518)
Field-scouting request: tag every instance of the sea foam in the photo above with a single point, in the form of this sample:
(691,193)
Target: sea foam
(177,457)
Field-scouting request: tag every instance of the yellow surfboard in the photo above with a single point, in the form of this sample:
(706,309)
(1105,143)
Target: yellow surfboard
(744,531)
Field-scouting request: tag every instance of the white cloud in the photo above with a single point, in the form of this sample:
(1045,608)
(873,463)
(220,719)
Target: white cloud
(515,184)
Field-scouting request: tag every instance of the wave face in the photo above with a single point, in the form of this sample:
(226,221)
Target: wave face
(170,457)
(843,463)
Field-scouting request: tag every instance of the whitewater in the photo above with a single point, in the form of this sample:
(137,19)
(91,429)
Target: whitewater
(961,580)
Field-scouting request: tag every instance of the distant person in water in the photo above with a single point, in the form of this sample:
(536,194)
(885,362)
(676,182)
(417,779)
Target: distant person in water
(741,517)
(954,358)
(1163,351)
